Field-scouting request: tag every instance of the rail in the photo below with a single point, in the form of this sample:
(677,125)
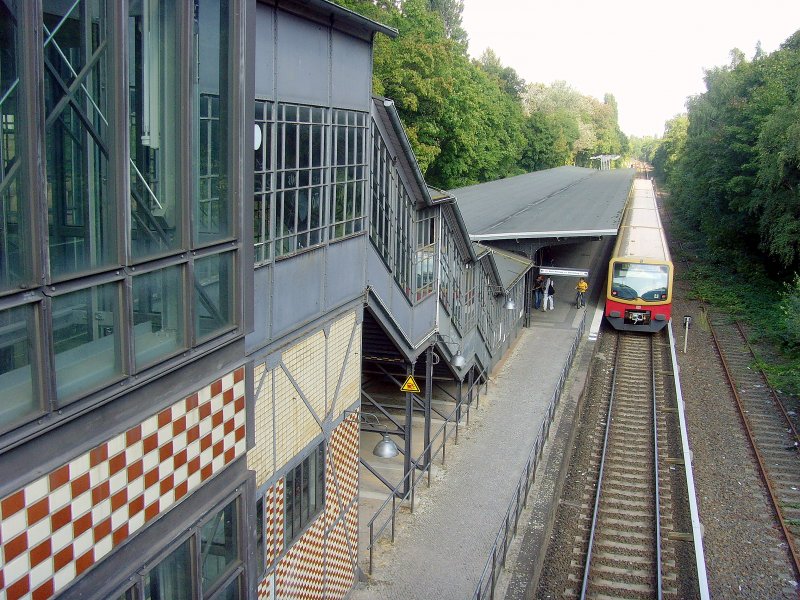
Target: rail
(599,487)
(508,528)
(763,469)
(604,453)
(397,498)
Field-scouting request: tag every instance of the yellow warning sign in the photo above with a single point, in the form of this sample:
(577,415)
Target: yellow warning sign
(410,385)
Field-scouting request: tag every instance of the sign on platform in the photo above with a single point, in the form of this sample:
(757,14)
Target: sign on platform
(566,272)
(410,385)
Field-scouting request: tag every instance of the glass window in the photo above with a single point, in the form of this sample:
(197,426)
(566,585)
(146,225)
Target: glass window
(261,558)
(86,340)
(153,73)
(304,495)
(425,254)
(82,216)
(172,578)
(14,252)
(213,294)
(300,200)
(219,546)
(263,184)
(633,281)
(350,173)
(213,209)
(157,314)
(232,592)
(16,355)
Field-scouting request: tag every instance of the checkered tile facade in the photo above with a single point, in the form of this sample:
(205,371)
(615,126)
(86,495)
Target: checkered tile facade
(55,528)
(284,425)
(322,563)
(273,521)
(341,546)
(342,476)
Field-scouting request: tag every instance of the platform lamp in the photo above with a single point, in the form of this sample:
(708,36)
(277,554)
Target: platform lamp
(509,304)
(457,360)
(386,447)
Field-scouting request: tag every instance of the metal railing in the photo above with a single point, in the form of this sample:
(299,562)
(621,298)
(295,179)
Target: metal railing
(508,528)
(397,498)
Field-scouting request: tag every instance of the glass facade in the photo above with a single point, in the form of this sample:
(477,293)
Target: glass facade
(86,340)
(349,173)
(17,353)
(207,564)
(214,294)
(127,275)
(392,218)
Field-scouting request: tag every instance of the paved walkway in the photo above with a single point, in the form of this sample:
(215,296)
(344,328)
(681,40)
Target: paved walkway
(440,551)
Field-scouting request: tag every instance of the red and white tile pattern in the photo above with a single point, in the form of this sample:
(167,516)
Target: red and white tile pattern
(322,562)
(300,574)
(57,527)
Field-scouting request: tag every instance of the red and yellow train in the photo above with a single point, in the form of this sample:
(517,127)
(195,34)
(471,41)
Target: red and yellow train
(639,286)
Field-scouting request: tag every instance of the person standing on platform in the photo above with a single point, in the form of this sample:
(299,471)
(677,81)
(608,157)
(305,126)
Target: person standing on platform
(538,292)
(549,292)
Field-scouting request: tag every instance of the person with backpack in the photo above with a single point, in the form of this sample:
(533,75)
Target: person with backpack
(549,292)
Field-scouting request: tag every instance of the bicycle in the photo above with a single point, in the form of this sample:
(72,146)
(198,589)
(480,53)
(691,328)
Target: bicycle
(580,300)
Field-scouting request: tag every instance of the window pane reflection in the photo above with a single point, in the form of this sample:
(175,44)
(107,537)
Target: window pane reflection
(157,314)
(154,136)
(85,325)
(219,546)
(16,380)
(213,220)
(171,579)
(14,268)
(81,213)
(213,294)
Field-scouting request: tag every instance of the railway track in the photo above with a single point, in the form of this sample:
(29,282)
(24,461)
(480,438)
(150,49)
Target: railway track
(639,545)
(624,547)
(772,433)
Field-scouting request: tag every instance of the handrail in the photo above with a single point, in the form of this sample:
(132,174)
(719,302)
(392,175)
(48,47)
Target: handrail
(499,549)
(417,465)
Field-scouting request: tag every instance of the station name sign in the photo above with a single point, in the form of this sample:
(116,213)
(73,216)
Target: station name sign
(565,272)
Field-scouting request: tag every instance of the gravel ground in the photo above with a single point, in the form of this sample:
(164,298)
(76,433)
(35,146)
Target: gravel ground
(745,556)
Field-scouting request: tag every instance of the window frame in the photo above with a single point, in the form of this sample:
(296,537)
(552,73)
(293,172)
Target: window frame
(290,535)
(135,584)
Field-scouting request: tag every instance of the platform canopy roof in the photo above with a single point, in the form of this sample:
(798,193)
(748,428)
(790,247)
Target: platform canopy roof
(557,203)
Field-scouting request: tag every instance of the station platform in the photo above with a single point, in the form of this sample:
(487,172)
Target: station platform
(440,550)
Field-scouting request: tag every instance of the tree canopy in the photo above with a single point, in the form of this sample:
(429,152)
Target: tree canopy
(733,161)
(471,121)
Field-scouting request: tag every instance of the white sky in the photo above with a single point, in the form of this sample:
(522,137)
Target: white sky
(649,54)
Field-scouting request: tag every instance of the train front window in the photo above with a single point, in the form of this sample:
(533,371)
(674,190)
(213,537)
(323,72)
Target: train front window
(632,281)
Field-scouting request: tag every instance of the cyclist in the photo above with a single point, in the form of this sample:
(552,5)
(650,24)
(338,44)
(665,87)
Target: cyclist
(580,299)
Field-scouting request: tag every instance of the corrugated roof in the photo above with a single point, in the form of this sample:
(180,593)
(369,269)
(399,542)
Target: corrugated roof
(560,202)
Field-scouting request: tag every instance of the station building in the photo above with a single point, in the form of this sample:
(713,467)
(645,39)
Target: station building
(209,229)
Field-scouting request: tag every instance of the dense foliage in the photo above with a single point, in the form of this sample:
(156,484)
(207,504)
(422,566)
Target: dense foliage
(471,121)
(732,165)
(733,162)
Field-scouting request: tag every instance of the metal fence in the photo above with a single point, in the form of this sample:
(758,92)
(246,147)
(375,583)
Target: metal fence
(420,469)
(508,528)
